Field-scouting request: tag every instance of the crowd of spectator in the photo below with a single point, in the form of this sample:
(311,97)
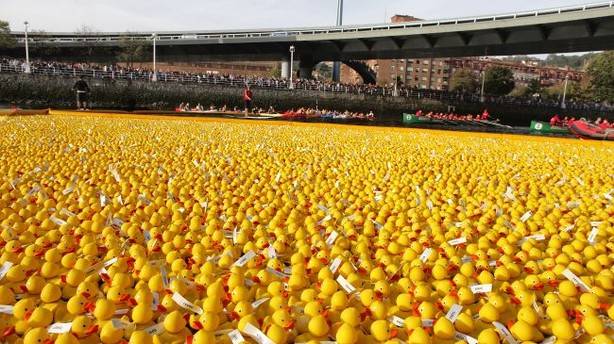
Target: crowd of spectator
(115,71)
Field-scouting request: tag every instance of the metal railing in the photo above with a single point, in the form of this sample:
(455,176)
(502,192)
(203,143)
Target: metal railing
(213,80)
(291,32)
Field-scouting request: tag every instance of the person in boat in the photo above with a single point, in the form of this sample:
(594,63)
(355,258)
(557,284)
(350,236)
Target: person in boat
(248,97)
(485,115)
(555,121)
(419,113)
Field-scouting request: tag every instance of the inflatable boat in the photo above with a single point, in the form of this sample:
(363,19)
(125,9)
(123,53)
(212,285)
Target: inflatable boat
(591,131)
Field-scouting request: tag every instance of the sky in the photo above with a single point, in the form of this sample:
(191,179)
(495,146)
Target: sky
(163,15)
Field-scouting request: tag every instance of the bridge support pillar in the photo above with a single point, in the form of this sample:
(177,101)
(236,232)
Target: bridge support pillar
(285,69)
(305,68)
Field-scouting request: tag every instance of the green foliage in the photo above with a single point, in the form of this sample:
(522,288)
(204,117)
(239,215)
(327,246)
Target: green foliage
(575,91)
(534,87)
(499,81)
(324,71)
(464,80)
(572,61)
(6,40)
(601,74)
(133,51)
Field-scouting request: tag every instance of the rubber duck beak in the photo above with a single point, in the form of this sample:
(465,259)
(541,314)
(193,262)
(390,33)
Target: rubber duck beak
(86,295)
(554,283)
(515,300)
(27,315)
(23,288)
(290,326)
(48,341)
(379,295)
(161,309)
(256,280)
(197,325)
(284,294)
(91,330)
(8,331)
(89,306)
(394,333)
(234,315)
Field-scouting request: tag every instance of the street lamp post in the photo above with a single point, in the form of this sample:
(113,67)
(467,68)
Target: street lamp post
(291,86)
(563,105)
(27,49)
(154,77)
(482,90)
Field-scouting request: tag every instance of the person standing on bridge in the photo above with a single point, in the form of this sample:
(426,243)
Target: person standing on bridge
(83,91)
(247,99)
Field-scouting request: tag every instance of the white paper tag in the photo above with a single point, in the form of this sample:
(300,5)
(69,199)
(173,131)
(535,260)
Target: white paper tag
(505,332)
(277,273)
(481,288)
(121,311)
(258,302)
(103,200)
(377,225)
(155,329)
(184,303)
(245,258)
(428,322)
(397,321)
(454,312)
(592,236)
(6,309)
(466,259)
(526,216)
(326,218)
(236,337)
(335,265)
(120,324)
(576,280)
(57,221)
(568,228)
(323,208)
(466,338)
(331,238)
(59,327)
(110,262)
(164,276)
(257,335)
(272,252)
(536,237)
(155,300)
(345,284)
(608,197)
(426,254)
(5,268)
(549,340)
(457,241)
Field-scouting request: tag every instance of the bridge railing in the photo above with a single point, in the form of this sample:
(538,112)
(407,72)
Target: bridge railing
(276,33)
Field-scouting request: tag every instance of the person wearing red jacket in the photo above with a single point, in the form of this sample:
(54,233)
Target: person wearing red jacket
(247,99)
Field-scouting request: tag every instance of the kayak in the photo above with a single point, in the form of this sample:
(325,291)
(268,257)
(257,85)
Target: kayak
(546,128)
(591,131)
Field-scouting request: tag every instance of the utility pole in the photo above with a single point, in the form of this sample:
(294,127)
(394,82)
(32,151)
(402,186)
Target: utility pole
(483,82)
(154,77)
(291,86)
(563,105)
(27,49)
(337,64)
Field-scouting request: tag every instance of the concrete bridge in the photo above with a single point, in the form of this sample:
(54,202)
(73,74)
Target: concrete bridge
(570,29)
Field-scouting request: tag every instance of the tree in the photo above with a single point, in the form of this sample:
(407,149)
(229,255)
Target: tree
(463,80)
(534,87)
(6,40)
(324,71)
(499,81)
(132,51)
(601,74)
